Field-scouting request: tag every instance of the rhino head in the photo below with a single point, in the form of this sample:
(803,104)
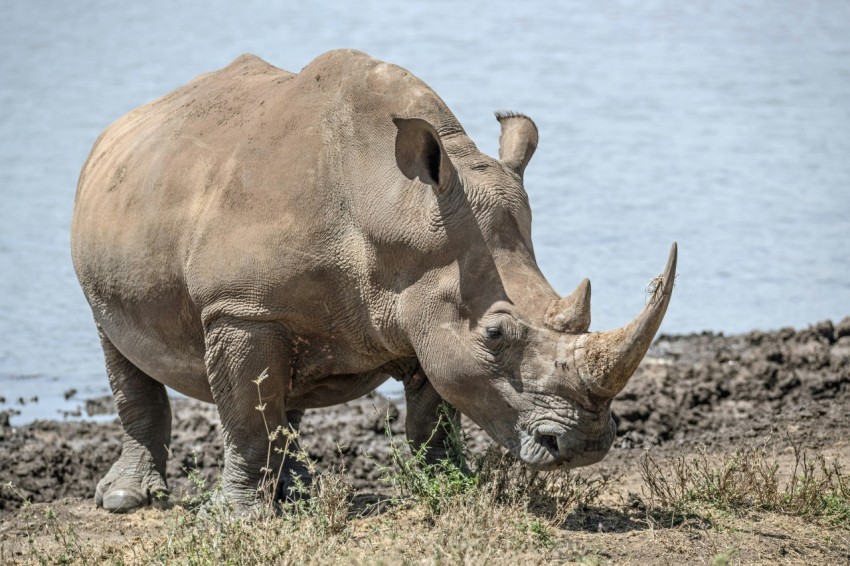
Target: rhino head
(495,340)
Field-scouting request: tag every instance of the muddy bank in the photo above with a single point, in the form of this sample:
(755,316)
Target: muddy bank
(48,460)
(716,390)
(696,389)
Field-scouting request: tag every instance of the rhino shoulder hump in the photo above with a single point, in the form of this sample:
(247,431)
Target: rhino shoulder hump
(250,64)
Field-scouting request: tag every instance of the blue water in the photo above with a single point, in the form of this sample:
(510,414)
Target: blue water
(723,125)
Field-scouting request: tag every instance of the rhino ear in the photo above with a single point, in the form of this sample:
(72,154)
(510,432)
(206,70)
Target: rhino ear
(419,152)
(518,140)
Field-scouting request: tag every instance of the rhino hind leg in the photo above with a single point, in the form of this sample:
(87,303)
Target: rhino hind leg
(431,421)
(238,353)
(137,478)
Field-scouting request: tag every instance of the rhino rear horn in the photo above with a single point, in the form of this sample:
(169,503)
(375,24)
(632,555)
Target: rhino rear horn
(419,152)
(572,313)
(606,360)
(517,141)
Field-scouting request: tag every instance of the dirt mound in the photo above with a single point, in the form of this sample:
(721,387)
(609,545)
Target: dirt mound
(702,388)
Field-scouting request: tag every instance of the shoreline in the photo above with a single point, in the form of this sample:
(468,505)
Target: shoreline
(72,405)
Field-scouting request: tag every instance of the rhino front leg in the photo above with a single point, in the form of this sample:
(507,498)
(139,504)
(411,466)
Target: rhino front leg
(430,421)
(237,353)
(138,477)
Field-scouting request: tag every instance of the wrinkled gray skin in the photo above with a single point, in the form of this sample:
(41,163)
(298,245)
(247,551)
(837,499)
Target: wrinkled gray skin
(335,227)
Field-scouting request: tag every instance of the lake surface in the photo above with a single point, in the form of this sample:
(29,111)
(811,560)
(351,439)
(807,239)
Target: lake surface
(724,126)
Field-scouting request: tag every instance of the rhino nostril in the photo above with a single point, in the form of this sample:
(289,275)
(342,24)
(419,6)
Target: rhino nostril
(549,442)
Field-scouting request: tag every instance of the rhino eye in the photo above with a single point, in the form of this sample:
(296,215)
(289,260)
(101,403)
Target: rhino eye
(493,332)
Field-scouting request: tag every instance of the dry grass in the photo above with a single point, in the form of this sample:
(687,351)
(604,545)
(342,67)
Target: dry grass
(438,513)
(479,524)
(697,508)
(748,479)
(491,510)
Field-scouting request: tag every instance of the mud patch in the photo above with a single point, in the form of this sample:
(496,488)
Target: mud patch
(717,390)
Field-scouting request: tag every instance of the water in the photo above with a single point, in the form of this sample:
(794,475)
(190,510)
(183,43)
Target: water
(724,126)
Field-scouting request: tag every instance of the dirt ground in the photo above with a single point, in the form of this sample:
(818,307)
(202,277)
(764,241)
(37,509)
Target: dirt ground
(700,391)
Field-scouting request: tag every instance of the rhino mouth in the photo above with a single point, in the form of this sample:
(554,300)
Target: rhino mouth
(549,445)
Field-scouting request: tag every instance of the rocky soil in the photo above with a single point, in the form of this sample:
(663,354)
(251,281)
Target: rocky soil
(706,389)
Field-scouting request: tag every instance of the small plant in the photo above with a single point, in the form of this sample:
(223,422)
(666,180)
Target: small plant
(541,530)
(271,478)
(196,495)
(435,485)
(817,489)
(724,557)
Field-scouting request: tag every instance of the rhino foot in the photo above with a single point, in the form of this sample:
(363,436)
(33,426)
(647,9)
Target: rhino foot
(122,493)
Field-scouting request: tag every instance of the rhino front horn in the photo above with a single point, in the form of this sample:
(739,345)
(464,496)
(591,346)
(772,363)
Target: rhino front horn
(606,360)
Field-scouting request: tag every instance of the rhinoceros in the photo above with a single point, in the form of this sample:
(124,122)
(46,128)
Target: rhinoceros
(328,230)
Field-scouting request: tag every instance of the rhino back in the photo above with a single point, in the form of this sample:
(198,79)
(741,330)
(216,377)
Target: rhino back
(251,192)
